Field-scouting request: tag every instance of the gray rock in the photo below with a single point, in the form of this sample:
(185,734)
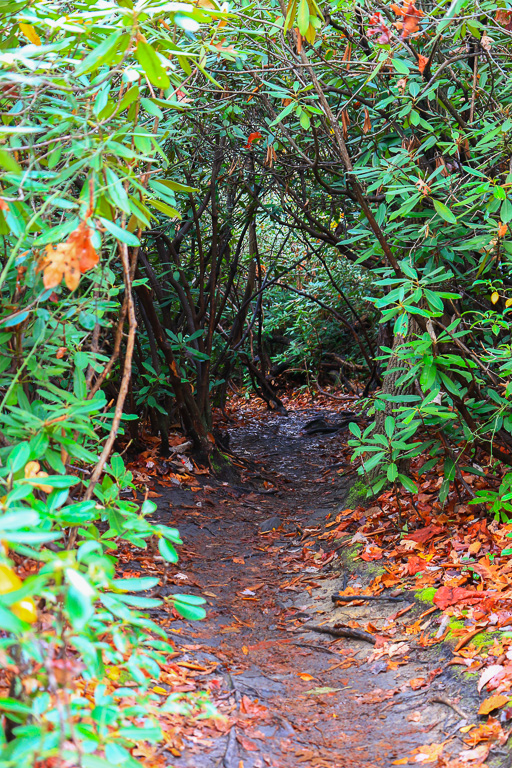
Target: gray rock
(270,524)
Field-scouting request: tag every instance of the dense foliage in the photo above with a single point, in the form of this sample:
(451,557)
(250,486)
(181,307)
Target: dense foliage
(201,194)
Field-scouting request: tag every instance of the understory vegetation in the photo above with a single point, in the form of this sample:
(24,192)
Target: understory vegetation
(197,198)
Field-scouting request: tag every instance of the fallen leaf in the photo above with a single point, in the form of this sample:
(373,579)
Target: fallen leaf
(246,743)
(446,596)
(321,690)
(479,753)
(488,674)
(253,708)
(428,753)
(424,534)
(493,702)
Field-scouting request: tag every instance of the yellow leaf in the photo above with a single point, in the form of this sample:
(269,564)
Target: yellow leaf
(495,297)
(114,673)
(25,610)
(245,650)
(160,690)
(428,753)
(9,581)
(33,470)
(30,33)
(508,303)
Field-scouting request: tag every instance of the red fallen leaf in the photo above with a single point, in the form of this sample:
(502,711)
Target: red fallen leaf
(424,534)
(371,553)
(253,137)
(415,564)
(246,743)
(252,708)
(446,596)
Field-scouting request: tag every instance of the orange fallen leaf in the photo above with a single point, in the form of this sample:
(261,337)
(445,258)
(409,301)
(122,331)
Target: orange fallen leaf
(493,702)
(428,753)
(305,676)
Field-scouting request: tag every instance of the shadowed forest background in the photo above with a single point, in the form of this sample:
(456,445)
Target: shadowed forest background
(205,206)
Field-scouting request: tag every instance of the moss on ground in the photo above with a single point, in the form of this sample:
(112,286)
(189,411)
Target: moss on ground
(357,494)
(426,595)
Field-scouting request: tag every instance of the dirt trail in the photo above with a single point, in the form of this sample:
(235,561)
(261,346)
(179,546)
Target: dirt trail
(295,697)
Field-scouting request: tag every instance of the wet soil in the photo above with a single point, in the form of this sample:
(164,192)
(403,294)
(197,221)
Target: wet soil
(296,697)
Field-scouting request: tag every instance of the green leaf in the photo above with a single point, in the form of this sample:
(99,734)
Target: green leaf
(136,585)
(13,705)
(10,623)
(164,208)
(389,426)
(303,17)
(120,234)
(8,162)
(401,66)
(506,211)
(175,186)
(18,457)
(103,53)
(150,63)
(190,599)
(407,483)
(192,612)
(167,551)
(78,606)
(392,473)
(141,732)
(444,212)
